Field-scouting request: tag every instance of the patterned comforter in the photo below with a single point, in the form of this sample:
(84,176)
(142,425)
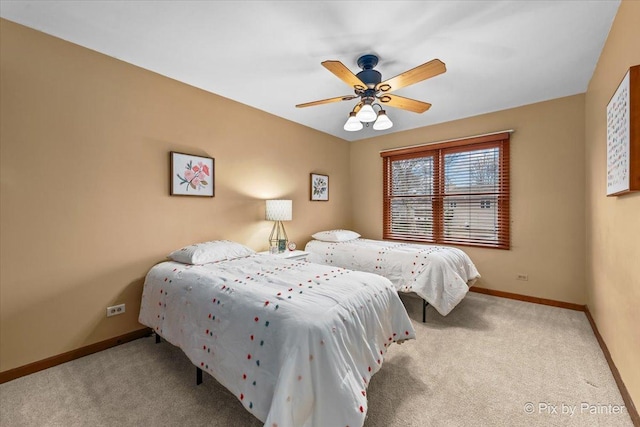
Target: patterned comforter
(441,275)
(296,342)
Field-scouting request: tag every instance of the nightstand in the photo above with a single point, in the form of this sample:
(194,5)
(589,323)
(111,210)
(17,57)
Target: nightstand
(297,255)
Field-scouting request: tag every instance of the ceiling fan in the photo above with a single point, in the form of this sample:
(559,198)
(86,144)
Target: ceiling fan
(369,87)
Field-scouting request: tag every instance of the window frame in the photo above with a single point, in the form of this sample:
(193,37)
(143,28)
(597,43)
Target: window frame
(438,151)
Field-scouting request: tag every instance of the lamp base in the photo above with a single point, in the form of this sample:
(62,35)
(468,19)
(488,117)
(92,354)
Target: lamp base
(278,238)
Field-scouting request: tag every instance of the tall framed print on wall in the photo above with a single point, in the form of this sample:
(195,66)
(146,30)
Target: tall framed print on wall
(191,175)
(623,136)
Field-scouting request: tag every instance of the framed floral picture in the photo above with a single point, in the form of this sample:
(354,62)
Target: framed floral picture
(191,175)
(319,187)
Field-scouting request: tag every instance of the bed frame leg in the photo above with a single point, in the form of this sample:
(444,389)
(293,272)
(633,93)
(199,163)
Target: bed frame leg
(158,339)
(424,311)
(198,376)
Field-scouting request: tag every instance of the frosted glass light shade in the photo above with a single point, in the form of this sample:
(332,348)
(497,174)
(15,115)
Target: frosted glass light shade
(382,122)
(352,124)
(366,114)
(279,210)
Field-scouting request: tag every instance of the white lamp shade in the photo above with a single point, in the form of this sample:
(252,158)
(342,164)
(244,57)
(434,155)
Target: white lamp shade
(366,114)
(352,123)
(383,122)
(279,210)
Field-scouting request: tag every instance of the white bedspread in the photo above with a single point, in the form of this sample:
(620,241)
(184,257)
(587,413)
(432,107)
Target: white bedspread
(296,342)
(441,275)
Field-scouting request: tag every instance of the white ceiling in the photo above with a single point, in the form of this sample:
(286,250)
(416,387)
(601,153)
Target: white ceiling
(267,54)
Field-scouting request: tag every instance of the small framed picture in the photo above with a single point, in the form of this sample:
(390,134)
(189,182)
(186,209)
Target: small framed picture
(191,175)
(319,187)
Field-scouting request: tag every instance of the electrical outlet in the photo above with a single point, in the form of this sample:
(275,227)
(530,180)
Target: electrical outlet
(114,310)
(524,277)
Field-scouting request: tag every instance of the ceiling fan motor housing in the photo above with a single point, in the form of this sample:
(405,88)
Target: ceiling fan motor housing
(368,75)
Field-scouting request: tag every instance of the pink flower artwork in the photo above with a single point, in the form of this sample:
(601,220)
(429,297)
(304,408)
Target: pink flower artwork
(195,177)
(192,175)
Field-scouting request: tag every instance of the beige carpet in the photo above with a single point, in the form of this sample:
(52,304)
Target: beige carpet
(490,362)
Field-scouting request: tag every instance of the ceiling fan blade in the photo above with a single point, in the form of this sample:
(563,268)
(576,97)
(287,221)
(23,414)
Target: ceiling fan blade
(415,75)
(344,74)
(404,103)
(327,101)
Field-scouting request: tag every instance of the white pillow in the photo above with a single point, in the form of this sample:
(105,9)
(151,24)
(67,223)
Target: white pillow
(215,250)
(335,235)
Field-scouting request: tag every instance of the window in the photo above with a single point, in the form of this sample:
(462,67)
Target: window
(455,192)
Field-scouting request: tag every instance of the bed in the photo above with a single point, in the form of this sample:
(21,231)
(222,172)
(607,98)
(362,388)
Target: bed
(440,275)
(296,342)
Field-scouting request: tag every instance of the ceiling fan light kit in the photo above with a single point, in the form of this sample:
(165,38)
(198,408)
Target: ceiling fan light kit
(369,87)
(382,122)
(366,114)
(353,124)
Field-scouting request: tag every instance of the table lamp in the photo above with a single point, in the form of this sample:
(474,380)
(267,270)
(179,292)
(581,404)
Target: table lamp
(278,211)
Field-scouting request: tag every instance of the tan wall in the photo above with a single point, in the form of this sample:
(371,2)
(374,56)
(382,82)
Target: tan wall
(547,193)
(85,210)
(613,223)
